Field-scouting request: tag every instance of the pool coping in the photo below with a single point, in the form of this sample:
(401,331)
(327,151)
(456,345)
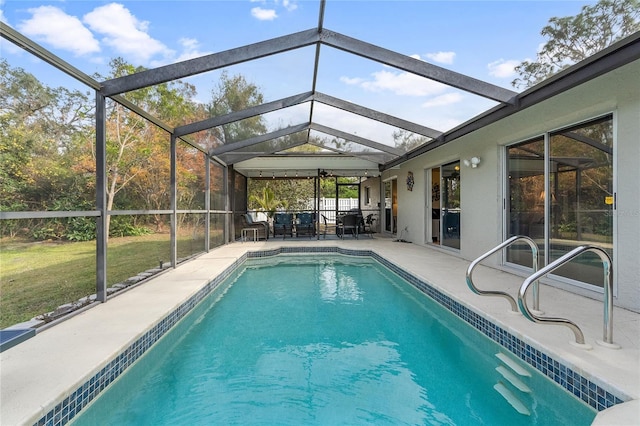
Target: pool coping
(599,396)
(13,336)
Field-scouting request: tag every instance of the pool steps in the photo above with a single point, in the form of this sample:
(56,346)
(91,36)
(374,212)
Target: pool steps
(513,365)
(511,399)
(511,378)
(513,374)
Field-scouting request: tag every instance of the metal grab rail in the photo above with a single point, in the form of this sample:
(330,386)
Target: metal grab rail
(507,243)
(608,292)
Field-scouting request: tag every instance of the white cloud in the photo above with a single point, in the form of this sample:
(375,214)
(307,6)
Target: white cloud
(2,18)
(442,57)
(290,5)
(125,33)
(52,26)
(399,83)
(269,11)
(190,49)
(443,100)
(6,46)
(263,14)
(351,81)
(503,68)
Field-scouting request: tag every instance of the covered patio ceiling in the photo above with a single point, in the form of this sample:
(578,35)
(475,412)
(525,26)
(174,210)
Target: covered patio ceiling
(305,147)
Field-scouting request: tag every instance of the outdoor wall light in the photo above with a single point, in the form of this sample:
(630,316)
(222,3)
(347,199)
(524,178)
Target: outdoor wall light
(473,162)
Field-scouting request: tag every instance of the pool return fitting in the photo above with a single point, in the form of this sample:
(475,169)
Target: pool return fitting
(535,315)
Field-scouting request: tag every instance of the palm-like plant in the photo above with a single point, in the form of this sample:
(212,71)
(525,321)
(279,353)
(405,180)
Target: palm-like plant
(267,201)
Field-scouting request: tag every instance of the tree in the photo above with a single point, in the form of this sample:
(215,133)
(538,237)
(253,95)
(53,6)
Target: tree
(407,140)
(136,150)
(41,129)
(231,95)
(574,38)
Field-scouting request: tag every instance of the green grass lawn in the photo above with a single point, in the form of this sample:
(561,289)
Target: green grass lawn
(37,277)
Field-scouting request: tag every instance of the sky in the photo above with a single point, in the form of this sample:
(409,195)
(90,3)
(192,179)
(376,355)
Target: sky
(482,39)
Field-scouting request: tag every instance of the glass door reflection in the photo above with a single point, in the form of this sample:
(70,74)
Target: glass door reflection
(450,204)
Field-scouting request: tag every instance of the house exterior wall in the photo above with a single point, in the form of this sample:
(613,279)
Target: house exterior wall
(616,92)
(373,183)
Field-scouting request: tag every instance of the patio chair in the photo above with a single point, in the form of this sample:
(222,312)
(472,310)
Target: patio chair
(350,223)
(283,224)
(367,227)
(262,227)
(305,225)
(327,226)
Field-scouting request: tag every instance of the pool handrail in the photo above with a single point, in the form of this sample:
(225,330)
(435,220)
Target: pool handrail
(507,243)
(608,292)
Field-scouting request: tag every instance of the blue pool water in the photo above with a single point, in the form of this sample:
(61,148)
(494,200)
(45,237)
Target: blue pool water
(326,340)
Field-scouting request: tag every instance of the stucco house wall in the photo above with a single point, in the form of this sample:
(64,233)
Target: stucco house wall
(616,92)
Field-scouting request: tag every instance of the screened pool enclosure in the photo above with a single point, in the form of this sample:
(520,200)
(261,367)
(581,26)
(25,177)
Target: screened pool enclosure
(121,166)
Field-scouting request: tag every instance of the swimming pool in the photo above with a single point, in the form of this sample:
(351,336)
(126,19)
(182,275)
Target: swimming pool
(327,340)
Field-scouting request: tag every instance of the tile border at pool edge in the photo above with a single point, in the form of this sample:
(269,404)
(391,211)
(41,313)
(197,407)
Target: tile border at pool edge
(70,406)
(573,382)
(589,392)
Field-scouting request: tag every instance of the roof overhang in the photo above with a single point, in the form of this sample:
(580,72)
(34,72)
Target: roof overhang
(295,165)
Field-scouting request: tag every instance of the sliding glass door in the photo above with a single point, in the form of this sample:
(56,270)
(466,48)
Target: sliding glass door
(450,204)
(581,196)
(444,212)
(391,206)
(560,193)
(525,198)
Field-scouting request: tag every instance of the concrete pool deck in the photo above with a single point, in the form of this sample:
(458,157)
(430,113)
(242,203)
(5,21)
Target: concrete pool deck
(38,373)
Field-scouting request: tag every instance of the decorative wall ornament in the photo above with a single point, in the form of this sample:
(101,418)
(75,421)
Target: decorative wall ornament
(410,181)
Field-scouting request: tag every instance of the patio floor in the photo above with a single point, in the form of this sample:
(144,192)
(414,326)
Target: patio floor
(39,372)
